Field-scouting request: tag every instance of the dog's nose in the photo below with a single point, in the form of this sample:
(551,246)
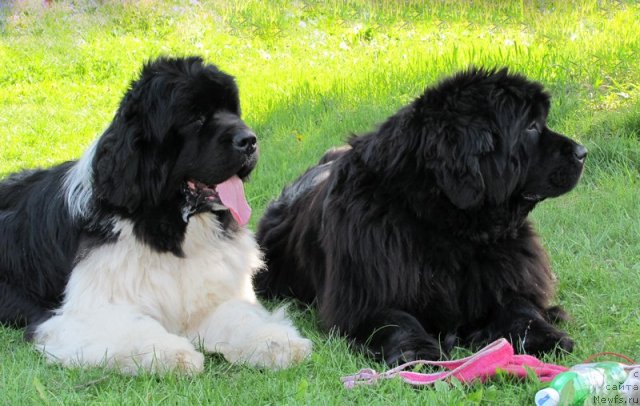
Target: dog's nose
(580,152)
(245,141)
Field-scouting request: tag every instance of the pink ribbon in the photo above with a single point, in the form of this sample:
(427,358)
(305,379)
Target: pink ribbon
(481,365)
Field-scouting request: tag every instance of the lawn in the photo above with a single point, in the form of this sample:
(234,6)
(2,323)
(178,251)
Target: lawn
(310,74)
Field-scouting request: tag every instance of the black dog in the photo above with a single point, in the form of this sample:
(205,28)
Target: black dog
(419,231)
(134,252)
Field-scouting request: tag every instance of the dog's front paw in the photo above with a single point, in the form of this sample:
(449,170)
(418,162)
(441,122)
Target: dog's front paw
(542,337)
(173,354)
(407,355)
(187,362)
(278,347)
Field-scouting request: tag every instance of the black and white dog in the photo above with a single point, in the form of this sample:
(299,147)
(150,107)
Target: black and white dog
(136,252)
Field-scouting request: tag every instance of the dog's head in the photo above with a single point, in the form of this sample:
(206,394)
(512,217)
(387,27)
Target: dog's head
(483,138)
(177,130)
(495,145)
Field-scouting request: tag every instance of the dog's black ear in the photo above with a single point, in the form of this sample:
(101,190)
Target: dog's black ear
(131,162)
(408,142)
(463,186)
(116,169)
(457,165)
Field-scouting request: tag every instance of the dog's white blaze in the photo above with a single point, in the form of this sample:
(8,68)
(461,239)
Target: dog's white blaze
(78,184)
(131,307)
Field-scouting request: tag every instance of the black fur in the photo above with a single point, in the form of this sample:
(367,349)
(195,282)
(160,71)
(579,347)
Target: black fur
(37,244)
(415,236)
(177,122)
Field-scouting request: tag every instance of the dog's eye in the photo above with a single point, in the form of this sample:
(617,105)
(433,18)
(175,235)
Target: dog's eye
(533,128)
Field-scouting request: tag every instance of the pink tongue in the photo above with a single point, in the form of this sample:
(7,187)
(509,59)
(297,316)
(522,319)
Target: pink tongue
(231,193)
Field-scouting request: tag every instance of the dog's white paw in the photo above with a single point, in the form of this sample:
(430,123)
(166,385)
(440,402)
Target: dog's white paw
(174,354)
(278,347)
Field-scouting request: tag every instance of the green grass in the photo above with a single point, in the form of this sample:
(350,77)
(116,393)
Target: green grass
(311,74)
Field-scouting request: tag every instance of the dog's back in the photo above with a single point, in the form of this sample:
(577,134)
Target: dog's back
(14,188)
(37,244)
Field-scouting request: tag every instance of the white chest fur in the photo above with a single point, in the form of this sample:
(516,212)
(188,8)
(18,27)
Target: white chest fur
(176,291)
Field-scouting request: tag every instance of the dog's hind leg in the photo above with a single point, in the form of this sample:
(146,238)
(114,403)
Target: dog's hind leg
(245,332)
(16,309)
(281,278)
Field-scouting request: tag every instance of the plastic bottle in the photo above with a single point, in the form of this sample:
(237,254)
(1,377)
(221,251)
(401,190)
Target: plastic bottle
(574,386)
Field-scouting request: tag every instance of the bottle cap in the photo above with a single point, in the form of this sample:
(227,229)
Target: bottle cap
(547,397)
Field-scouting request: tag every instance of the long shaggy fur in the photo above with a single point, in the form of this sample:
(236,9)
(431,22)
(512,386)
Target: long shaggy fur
(115,260)
(415,237)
